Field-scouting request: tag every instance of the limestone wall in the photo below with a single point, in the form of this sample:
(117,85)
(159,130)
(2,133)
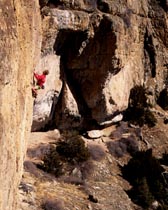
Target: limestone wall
(20,47)
(96,51)
(104,49)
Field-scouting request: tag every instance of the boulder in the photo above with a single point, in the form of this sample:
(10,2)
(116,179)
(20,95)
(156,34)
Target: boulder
(43,110)
(44,104)
(67,113)
(94,134)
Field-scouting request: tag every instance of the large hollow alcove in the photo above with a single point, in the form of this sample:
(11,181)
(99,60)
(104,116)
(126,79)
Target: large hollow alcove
(86,63)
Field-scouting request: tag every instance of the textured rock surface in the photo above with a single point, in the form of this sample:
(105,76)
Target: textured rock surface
(43,110)
(95,52)
(44,104)
(105,49)
(20,44)
(100,177)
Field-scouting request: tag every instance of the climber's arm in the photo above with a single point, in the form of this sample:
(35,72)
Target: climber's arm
(37,76)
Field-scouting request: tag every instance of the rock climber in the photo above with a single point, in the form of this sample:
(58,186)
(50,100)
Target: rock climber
(40,80)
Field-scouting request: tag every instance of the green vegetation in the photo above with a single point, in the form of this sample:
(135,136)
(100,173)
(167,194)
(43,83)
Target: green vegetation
(72,151)
(123,146)
(141,194)
(52,163)
(145,174)
(138,111)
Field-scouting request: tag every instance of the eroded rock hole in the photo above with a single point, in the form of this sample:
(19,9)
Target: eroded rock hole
(67,45)
(86,62)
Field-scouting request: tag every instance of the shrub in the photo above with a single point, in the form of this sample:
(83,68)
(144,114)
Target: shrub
(70,151)
(144,173)
(52,163)
(116,149)
(150,119)
(131,144)
(52,205)
(87,169)
(138,109)
(140,194)
(80,173)
(96,152)
(73,150)
(122,146)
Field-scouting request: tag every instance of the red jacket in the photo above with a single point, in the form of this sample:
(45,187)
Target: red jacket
(40,79)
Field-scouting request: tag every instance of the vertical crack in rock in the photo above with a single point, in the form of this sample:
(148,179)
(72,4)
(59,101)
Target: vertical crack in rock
(149,51)
(159,21)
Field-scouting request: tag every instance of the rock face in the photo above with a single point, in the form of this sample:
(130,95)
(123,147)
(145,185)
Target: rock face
(20,44)
(44,104)
(96,52)
(105,49)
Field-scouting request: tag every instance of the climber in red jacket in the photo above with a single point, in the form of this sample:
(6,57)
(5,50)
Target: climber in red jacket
(40,80)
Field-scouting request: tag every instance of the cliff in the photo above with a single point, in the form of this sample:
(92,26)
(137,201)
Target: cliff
(96,52)
(20,49)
